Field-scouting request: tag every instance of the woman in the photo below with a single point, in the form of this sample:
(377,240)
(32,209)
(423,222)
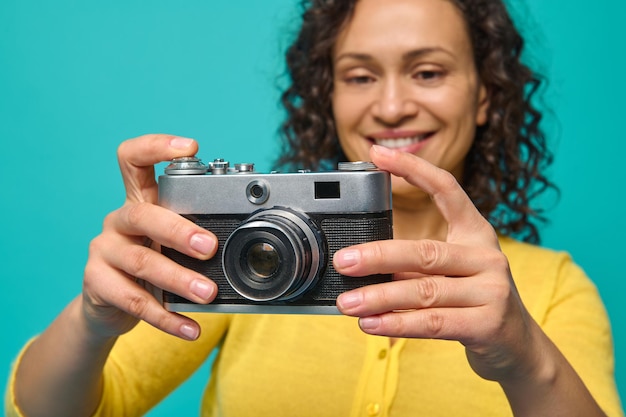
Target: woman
(432,91)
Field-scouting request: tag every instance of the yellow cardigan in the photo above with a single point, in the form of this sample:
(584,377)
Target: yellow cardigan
(290,365)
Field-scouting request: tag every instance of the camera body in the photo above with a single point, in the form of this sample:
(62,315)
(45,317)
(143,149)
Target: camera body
(277,232)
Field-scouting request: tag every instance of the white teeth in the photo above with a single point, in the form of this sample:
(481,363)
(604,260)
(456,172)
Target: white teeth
(399,142)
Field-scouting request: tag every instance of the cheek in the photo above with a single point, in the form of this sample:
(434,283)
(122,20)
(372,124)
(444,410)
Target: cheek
(349,109)
(448,104)
(458,112)
(342,112)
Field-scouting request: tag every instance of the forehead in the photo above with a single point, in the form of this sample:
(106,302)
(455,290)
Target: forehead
(402,24)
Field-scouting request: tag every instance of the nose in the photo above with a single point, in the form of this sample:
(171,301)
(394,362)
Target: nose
(394,103)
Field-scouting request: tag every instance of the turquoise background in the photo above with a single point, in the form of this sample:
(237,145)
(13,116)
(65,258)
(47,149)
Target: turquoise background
(78,77)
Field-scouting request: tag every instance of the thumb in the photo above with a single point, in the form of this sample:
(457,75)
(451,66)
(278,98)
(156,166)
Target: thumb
(137,157)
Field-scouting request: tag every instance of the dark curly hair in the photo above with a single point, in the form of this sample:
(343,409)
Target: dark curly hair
(504,169)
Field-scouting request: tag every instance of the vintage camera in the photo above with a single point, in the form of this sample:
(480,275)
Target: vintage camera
(277,232)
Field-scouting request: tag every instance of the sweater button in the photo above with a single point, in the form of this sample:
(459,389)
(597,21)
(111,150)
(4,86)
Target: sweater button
(373,409)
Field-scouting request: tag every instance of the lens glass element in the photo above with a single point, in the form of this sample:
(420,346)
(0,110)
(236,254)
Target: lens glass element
(263,260)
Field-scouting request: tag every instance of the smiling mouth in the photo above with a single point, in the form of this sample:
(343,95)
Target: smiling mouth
(401,142)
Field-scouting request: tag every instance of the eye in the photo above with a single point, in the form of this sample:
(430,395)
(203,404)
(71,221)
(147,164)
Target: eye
(356,75)
(359,79)
(429,75)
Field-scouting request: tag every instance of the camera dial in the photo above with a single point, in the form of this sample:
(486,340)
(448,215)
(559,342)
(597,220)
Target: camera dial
(186,165)
(356,166)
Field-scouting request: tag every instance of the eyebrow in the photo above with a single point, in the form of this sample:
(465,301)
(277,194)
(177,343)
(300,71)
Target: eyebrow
(407,56)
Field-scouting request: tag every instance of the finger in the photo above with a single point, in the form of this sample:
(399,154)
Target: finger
(465,223)
(429,257)
(420,293)
(151,266)
(138,156)
(139,262)
(109,287)
(437,323)
(171,229)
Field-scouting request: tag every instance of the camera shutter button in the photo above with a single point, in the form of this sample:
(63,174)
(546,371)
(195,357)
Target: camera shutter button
(244,168)
(219,166)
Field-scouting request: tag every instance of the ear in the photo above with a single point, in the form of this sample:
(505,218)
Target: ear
(482,111)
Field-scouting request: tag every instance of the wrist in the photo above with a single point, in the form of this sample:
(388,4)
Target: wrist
(547,385)
(94,334)
(539,365)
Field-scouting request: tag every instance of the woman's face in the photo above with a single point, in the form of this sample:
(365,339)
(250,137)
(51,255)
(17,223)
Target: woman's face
(405,78)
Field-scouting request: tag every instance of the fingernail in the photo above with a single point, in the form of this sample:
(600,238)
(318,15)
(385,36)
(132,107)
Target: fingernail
(202,289)
(346,258)
(369,323)
(350,300)
(190,332)
(202,243)
(381,150)
(180,143)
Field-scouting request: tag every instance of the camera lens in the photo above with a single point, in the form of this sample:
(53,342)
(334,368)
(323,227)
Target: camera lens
(276,254)
(263,260)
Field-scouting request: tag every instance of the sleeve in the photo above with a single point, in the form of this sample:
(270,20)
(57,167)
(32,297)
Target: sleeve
(146,365)
(578,324)
(10,405)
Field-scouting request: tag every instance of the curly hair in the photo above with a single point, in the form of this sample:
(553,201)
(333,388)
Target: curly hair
(504,169)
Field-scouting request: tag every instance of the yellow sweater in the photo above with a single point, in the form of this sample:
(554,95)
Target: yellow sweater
(289,365)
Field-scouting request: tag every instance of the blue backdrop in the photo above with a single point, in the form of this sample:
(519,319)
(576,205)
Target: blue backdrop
(78,77)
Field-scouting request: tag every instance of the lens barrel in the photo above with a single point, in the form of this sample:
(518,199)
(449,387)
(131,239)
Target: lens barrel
(276,254)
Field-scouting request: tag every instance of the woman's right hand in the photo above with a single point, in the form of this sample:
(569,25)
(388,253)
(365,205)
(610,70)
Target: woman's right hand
(113,301)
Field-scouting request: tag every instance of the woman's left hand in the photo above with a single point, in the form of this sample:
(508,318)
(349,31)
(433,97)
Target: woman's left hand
(460,289)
